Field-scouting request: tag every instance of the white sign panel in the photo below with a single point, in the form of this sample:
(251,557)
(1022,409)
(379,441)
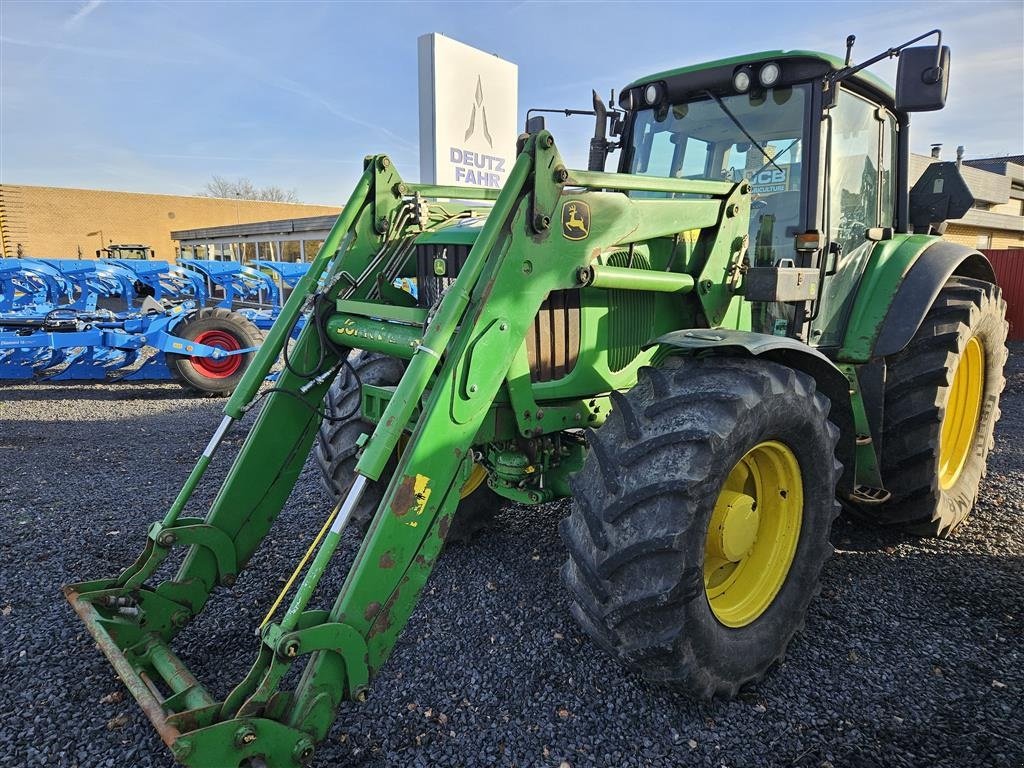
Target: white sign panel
(468,114)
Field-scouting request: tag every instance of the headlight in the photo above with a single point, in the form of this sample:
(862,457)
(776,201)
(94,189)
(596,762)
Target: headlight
(651,94)
(741,80)
(769,74)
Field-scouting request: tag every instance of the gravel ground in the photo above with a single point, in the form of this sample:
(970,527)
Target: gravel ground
(913,655)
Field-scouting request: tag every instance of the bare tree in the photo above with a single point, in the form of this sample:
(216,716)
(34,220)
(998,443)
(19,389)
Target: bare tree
(243,189)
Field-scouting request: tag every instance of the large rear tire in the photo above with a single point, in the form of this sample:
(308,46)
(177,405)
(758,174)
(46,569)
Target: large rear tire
(215,327)
(336,449)
(701,520)
(941,407)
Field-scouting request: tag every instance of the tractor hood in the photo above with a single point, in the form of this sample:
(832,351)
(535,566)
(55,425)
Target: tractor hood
(459,232)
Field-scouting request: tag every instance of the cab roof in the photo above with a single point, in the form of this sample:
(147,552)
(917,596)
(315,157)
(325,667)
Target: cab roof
(834,63)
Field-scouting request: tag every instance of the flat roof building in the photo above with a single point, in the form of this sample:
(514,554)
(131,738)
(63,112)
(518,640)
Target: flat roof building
(60,222)
(278,240)
(996,221)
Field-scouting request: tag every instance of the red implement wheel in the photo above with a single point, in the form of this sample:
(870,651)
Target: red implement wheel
(215,327)
(224,367)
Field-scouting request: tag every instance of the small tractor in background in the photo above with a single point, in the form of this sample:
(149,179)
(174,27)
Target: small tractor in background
(752,324)
(133,251)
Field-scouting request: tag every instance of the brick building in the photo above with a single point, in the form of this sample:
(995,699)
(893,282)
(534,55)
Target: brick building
(56,222)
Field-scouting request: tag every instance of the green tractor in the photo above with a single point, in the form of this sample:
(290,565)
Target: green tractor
(749,326)
(132,251)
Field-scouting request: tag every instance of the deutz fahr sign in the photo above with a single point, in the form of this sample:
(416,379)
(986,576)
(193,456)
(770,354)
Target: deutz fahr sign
(468,114)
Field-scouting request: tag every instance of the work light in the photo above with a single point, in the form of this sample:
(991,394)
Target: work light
(769,74)
(741,80)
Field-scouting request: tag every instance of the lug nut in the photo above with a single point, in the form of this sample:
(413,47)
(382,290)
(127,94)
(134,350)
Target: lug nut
(303,750)
(245,735)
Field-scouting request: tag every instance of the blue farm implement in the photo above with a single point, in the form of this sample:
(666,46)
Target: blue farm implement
(130,320)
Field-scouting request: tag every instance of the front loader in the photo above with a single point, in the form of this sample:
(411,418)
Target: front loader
(748,326)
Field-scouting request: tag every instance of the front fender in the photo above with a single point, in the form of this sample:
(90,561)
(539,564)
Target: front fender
(830,380)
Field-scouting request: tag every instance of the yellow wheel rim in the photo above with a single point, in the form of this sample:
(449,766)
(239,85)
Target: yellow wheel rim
(753,533)
(476,478)
(963,407)
(477,475)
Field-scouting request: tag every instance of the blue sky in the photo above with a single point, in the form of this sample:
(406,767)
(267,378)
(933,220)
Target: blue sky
(158,97)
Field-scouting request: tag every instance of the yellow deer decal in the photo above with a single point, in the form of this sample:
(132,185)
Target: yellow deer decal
(574,221)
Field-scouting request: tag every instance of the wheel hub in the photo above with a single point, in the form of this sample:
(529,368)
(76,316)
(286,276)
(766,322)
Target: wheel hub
(733,529)
(753,533)
(218,368)
(963,408)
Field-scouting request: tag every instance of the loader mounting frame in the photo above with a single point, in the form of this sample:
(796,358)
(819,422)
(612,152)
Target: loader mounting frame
(471,350)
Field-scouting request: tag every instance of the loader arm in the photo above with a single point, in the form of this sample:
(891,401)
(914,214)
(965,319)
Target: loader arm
(531,244)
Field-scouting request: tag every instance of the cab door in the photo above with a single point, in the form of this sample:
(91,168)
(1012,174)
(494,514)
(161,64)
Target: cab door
(858,163)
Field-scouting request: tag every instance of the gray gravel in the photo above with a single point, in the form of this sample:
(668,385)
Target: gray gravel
(913,655)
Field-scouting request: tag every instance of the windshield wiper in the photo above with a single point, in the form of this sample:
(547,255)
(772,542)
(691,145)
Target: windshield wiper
(721,104)
(771,161)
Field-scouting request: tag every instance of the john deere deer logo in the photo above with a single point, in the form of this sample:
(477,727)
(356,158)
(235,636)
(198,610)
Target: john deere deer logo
(575,220)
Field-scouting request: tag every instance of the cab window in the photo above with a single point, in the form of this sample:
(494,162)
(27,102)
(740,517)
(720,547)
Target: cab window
(702,139)
(861,193)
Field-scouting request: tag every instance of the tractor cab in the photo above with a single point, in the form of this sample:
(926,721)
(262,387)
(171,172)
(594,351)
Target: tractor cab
(133,251)
(823,145)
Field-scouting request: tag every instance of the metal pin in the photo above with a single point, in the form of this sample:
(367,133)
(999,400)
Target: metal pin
(222,429)
(354,494)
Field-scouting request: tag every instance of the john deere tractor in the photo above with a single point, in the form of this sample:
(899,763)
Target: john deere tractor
(750,325)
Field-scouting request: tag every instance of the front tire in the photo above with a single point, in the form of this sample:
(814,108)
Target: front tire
(941,407)
(701,521)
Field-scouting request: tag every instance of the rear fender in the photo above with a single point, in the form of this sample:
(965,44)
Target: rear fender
(898,289)
(830,380)
(921,286)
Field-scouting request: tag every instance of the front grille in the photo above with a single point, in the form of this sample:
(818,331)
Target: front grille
(630,313)
(429,285)
(552,342)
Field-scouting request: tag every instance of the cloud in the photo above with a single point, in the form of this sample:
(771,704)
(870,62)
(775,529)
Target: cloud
(258,159)
(257,70)
(109,53)
(79,16)
(290,86)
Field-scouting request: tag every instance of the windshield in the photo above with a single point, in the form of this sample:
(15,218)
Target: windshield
(706,139)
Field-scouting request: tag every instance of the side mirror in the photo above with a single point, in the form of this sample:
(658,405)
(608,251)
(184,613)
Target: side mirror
(922,79)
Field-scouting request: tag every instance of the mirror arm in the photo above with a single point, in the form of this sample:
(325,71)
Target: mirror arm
(846,72)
